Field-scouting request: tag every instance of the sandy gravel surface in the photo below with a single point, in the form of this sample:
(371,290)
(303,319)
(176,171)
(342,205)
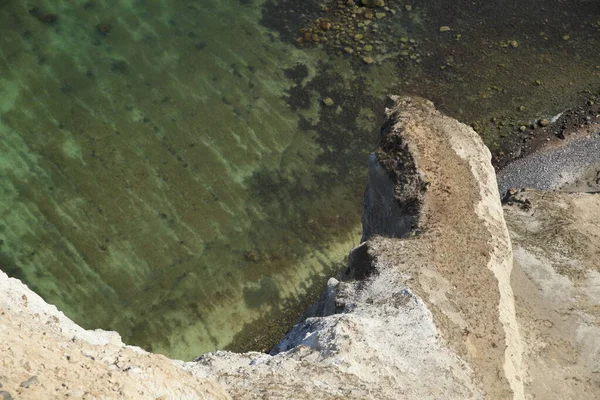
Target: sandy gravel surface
(571,165)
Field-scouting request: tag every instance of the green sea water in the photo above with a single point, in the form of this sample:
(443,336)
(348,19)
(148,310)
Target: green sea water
(169,170)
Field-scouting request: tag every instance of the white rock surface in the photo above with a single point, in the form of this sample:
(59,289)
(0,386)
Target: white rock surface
(556,239)
(386,346)
(38,344)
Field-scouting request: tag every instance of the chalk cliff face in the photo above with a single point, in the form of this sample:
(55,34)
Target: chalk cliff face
(442,300)
(556,281)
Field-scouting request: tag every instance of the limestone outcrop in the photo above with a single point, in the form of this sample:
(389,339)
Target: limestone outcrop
(44,355)
(451,295)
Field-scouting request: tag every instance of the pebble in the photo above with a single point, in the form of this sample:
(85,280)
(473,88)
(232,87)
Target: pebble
(368,60)
(408,7)
(522,128)
(29,382)
(5,395)
(514,43)
(544,122)
(444,28)
(328,101)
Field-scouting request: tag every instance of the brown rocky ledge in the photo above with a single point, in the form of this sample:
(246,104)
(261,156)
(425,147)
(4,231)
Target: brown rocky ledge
(434,303)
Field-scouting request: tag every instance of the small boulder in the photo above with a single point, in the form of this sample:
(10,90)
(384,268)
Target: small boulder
(328,101)
(373,3)
(368,60)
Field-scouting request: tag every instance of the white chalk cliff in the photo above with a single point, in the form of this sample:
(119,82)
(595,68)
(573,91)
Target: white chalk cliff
(452,295)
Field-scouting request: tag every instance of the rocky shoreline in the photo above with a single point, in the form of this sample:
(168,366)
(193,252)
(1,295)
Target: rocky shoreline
(452,295)
(580,120)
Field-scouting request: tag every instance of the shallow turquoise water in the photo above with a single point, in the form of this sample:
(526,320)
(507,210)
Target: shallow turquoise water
(168,169)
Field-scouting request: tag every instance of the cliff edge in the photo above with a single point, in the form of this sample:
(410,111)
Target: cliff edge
(442,299)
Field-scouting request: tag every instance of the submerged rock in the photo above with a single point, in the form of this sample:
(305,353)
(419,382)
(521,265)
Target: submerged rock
(328,101)
(373,3)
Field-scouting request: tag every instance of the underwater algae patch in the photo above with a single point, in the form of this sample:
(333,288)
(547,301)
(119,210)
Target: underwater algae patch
(138,205)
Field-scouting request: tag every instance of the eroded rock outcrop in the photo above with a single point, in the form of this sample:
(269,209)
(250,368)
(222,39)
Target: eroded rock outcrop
(435,317)
(431,306)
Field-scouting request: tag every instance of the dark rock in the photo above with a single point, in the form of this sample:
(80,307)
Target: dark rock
(104,29)
(49,19)
(360,263)
(119,66)
(515,197)
(393,199)
(251,256)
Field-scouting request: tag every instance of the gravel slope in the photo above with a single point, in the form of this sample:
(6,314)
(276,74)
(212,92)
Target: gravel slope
(570,165)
